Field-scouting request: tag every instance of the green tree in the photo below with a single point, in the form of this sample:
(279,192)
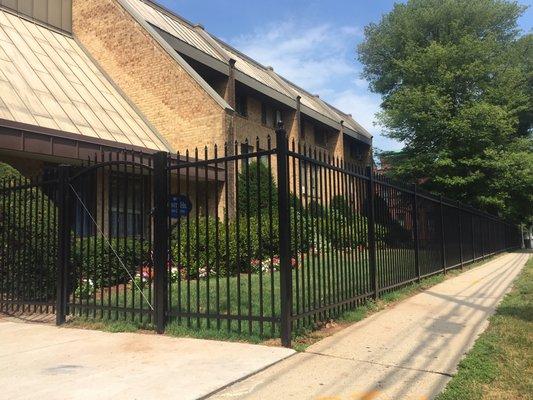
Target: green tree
(457,88)
(257,189)
(27,265)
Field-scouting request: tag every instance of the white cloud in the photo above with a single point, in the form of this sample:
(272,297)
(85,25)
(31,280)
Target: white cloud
(321,59)
(363,106)
(310,56)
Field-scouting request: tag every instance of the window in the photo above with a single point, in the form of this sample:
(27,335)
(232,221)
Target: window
(263,113)
(127,204)
(321,137)
(303,177)
(355,152)
(241,105)
(278,117)
(246,149)
(401,219)
(85,188)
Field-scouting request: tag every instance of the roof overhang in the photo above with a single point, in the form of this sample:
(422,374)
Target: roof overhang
(264,89)
(172,53)
(192,52)
(358,136)
(44,143)
(329,116)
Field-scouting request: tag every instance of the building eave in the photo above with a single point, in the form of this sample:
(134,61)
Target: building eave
(172,53)
(356,135)
(44,143)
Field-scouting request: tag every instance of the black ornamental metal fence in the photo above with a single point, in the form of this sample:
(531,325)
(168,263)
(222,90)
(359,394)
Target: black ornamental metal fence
(261,239)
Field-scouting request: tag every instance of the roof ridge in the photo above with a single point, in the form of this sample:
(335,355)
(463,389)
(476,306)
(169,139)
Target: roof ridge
(169,12)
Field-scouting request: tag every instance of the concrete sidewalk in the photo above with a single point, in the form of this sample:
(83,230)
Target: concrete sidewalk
(409,351)
(46,363)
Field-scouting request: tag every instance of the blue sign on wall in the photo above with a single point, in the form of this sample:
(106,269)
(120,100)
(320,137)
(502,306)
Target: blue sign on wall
(180,206)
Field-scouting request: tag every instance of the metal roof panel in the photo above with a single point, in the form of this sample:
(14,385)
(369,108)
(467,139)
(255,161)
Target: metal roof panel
(59,87)
(171,24)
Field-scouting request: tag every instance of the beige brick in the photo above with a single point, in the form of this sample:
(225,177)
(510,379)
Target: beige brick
(175,103)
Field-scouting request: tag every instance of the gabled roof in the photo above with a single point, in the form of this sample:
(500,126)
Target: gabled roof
(48,81)
(197,43)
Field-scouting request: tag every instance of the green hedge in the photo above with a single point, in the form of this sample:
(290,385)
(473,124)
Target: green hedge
(238,242)
(26,259)
(92,258)
(198,252)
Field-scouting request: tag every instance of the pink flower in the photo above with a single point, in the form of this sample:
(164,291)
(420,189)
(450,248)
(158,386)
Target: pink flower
(147,273)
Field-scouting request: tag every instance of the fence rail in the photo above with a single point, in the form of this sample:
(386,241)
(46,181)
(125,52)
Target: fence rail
(252,238)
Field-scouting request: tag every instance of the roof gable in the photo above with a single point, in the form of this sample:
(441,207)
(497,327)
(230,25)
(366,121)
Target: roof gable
(47,80)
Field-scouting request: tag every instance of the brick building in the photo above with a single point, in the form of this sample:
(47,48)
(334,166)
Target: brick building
(80,77)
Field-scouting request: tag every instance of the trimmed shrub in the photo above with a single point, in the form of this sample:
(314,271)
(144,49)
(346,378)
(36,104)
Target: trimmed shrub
(194,246)
(341,205)
(239,242)
(315,209)
(344,232)
(93,259)
(28,262)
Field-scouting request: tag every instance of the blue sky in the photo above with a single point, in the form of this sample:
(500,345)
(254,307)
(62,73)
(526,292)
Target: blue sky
(316,38)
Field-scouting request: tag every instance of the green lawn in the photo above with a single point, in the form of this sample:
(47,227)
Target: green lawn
(322,280)
(500,365)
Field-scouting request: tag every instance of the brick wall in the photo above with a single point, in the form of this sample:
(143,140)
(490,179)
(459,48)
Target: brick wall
(175,103)
(250,127)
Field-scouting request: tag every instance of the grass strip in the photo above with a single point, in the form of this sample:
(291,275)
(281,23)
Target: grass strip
(500,364)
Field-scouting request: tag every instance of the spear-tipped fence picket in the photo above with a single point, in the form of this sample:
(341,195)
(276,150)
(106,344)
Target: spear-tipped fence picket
(259,239)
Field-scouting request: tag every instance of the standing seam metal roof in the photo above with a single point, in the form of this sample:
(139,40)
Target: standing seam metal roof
(186,32)
(47,80)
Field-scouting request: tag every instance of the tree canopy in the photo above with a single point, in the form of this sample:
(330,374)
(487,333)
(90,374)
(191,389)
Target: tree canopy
(456,83)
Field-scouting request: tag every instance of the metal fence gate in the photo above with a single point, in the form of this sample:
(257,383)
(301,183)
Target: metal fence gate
(29,245)
(107,239)
(259,239)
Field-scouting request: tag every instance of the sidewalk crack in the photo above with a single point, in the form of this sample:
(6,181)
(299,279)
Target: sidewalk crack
(380,364)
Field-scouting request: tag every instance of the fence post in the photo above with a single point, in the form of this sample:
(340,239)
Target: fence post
(461,237)
(282,148)
(371,233)
(160,241)
(443,244)
(473,237)
(481,238)
(415,226)
(63,242)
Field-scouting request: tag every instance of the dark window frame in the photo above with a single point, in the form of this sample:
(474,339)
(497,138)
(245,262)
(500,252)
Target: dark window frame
(264,112)
(323,135)
(241,105)
(81,222)
(137,219)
